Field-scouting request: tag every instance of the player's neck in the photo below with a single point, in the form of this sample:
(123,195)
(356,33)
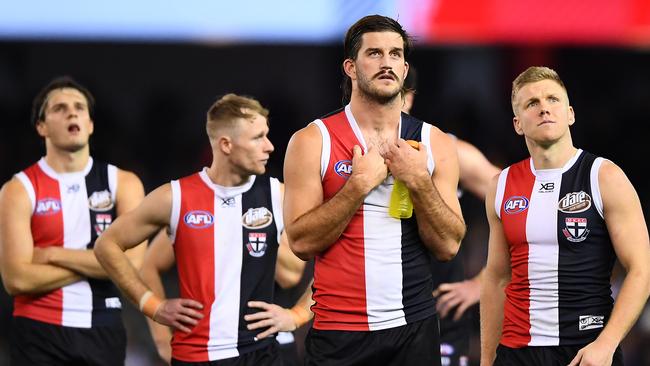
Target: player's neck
(376,116)
(554,156)
(62,161)
(225,176)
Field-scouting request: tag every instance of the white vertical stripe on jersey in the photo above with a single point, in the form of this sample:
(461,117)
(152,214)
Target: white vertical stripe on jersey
(501,189)
(543,256)
(224,312)
(276,201)
(112,181)
(355,128)
(383,261)
(77,297)
(425,138)
(22,177)
(595,186)
(325,149)
(176,209)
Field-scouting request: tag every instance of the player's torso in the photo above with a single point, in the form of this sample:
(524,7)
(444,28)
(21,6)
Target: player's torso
(560,251)
(225,242)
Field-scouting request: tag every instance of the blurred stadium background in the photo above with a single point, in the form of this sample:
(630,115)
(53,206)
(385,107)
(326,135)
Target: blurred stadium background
(156,66)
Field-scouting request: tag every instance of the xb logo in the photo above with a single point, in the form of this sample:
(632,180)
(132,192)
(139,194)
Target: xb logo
(546,187)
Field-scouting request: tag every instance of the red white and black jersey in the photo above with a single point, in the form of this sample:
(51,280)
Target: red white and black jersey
(377,274)
(225,242)
(71,210)
(560,252)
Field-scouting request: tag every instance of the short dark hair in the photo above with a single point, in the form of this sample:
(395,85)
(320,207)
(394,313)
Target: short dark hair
(352,43)
(39,105)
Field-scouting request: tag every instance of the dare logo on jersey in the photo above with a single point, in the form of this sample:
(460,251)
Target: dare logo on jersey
(575,202)
(47,206)
(343,168)
(257,218)
(256,244)
(198,219)
(515,204)
(100,201)
(575,229)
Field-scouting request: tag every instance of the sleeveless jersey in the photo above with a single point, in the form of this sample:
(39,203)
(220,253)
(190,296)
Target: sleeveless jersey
(560,252)
(377,274)
(71,210)
(225,242)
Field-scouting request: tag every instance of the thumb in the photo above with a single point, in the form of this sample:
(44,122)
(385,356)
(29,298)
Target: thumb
(576,359)
(356,151)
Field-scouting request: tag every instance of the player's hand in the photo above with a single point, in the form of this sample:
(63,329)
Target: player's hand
(406,163)
(458,295)
(181,314)
(368,170)
(275,317)
(596,353)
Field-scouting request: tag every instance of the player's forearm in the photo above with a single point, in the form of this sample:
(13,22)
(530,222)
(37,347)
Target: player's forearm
(34,279)
(315,231)
(119,268)
(628,306)
(83,262)
(491,310)
(440,228)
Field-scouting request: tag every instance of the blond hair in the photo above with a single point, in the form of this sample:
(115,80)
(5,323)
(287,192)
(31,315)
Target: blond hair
(227,110)
(533,74)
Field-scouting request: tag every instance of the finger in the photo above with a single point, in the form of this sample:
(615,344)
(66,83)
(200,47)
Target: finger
(191,303)
(181,327)
(356,151)
(576,359)
(260,324)
(460,310)
(187,320)
(191,313)
(257,316)
(267,332)
(259,305)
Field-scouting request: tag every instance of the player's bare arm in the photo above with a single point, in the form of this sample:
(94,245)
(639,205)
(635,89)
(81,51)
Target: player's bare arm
(495,278)
(20,275)
(629,235)
(129,231)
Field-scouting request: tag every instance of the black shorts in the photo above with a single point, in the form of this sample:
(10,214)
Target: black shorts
(411,344)
(37,343)
(544,356)
(454,340)
(267,356)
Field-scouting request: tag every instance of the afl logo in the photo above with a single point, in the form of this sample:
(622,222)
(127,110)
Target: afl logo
(515,204)
(48,206)
(198,219)
(575,202)
(343,168)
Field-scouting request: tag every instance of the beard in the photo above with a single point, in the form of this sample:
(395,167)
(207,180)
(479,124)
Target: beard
(370,92)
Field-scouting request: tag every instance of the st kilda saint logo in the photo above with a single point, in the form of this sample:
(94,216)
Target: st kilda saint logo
(256,244)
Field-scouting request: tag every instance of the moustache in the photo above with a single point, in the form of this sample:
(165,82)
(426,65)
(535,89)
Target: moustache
(390,72)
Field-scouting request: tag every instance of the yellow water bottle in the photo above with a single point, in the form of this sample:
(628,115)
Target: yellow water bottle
(401,206)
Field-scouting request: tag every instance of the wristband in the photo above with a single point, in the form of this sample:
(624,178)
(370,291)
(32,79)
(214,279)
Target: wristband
(149,304)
